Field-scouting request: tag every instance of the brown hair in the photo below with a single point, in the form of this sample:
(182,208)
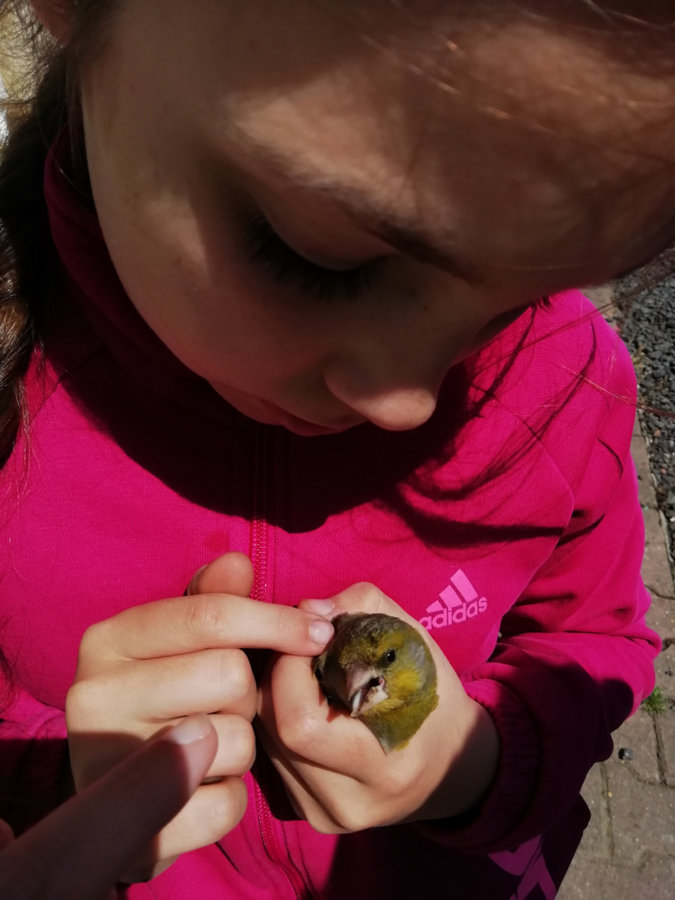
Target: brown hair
(28,264)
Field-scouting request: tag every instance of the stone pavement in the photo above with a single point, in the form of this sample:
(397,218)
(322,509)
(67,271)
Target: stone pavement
(628,851)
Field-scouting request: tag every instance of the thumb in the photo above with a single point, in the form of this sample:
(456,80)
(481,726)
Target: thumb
(84,846)
(231,573)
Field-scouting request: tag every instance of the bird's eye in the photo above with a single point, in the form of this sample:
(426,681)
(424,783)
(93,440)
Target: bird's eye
(389,657)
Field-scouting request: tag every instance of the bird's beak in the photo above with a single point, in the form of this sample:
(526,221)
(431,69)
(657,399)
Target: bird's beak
(365,689)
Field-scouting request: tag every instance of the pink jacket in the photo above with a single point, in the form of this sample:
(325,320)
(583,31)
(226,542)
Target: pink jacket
(508,525)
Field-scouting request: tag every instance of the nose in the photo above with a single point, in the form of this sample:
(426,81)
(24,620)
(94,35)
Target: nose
(389,402)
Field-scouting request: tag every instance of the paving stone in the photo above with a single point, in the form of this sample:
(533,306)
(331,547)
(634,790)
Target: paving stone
(589,879)
(655,566)
(661,617)
(602,297)
(637,734)
(595,843)
(638,450)
(637,431)
(642,815)
(665,725)
(665,671)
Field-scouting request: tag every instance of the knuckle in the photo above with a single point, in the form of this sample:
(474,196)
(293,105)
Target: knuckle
(237,746)
(397,782)
(300,731)
(244,748)
(352,817)
(366,588)
(366,595)
(233,670)
(84,702)
(285,624)
(203,614)
(93,642)
(221,817)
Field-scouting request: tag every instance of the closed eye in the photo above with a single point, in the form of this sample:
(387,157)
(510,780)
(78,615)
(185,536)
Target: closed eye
(266,250)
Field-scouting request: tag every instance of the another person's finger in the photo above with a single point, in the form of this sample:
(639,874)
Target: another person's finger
(83,848)
(6,834)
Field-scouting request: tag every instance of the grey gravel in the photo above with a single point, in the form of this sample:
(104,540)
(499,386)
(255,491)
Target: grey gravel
(646,319)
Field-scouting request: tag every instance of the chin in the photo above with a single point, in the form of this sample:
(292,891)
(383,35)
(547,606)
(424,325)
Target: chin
(267,413)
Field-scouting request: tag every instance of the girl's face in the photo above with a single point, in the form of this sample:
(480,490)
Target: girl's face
(319,228)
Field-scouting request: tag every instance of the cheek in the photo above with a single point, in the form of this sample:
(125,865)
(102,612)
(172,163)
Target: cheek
(161,264)
(206,303)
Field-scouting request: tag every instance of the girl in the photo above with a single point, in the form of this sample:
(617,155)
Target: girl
(289,304)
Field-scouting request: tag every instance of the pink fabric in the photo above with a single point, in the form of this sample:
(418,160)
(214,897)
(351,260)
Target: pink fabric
(513,532)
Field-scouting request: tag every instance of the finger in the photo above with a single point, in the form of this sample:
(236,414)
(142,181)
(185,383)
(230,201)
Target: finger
(186,624)
(331,801)
(366,598)
(295,711)
(236,746)
(324,608)
(235,753)
(303,801)
(296,714)
(231,573)
(213,811)
(79,852)
(357,598)
(158,690)
(333,766)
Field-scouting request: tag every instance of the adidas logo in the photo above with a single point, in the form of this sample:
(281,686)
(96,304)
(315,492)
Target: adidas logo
(459,602)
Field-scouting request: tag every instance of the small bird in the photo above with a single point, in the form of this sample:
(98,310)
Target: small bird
(381,670)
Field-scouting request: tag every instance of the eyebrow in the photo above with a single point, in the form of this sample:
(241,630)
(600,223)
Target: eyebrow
(400,232)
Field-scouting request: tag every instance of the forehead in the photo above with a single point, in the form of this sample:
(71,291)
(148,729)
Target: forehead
(409,58)
(441,117)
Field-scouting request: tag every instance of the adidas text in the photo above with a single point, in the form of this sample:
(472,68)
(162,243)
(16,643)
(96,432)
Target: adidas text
(455,615)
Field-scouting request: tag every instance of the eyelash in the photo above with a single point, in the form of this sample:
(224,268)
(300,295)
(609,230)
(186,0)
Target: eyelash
(265,249)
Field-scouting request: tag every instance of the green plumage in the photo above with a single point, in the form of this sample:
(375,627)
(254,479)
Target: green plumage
(381,670)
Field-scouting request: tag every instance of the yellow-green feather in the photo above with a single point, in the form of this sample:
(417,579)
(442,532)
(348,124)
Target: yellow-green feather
(411,679)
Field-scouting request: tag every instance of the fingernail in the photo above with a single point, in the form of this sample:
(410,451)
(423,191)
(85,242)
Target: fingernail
(320,607)
(193,580)
(189,731)
(320,631)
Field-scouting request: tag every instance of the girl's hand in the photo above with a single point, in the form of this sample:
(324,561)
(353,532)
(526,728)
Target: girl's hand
(153,664)
(335,772)
(84,846)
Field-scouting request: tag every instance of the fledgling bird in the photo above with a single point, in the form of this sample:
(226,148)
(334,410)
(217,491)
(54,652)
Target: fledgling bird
(382,671)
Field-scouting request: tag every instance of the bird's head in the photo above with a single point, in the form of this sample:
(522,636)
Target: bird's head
(377,665)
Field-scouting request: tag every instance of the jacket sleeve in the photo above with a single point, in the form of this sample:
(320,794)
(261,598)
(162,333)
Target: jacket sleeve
(34,765)
(574,658)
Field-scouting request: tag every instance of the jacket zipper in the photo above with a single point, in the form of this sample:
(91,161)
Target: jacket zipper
(259,527)
(261,455)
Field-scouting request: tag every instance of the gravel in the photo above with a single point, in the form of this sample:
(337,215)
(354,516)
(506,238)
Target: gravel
(646,318)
